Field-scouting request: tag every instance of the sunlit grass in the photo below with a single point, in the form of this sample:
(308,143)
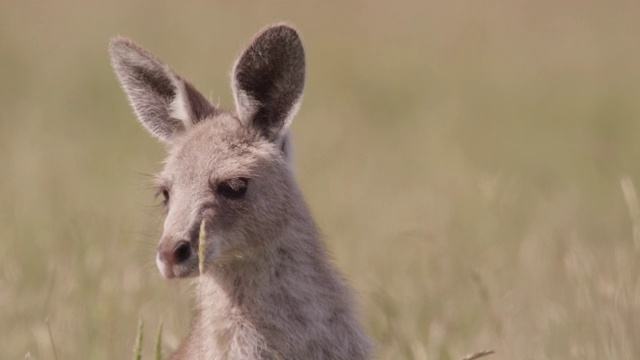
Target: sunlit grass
(472,165)
(137,349)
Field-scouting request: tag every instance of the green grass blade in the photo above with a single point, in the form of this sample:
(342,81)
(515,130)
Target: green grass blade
(137,349)
(202,245)
(159,343)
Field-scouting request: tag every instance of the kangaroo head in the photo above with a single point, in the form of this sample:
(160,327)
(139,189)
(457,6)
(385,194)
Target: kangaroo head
(230,170)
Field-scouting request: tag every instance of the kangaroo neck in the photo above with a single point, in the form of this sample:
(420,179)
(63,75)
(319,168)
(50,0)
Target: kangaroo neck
(272,299)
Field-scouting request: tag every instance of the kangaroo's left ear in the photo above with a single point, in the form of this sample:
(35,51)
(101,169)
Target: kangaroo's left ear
(268,81)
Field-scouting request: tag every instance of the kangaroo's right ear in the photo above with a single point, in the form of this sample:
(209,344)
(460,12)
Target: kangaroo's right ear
(165,103)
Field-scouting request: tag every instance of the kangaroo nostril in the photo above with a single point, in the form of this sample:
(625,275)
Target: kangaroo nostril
(181,251)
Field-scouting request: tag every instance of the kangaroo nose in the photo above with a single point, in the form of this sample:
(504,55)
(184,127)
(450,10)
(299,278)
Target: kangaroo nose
(180,252)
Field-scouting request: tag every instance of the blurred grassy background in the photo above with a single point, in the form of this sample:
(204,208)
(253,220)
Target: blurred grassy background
(465,160)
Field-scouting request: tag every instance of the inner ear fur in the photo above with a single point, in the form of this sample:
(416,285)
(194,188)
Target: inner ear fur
(165,103)
(268,80)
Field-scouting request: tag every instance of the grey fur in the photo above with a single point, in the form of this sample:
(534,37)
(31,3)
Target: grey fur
(152,88)
(268,290)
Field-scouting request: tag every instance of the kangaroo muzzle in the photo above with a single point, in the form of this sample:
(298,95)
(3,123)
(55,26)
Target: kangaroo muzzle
(174,258)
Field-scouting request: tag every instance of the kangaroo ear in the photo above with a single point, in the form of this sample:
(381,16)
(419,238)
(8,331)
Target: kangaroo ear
(268,80)
(165,104)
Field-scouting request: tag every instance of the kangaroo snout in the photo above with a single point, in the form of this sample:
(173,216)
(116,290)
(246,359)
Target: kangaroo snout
(173,258)
(177,254)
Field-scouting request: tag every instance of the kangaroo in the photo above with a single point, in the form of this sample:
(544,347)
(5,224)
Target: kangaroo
(267,289)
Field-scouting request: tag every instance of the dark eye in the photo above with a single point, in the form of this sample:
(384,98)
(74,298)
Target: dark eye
(233,188)
(165,195)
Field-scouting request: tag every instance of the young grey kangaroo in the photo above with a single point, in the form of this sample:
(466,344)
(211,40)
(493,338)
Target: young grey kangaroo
(267,290)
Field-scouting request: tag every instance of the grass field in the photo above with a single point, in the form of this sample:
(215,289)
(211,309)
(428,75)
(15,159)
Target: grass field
(473,166)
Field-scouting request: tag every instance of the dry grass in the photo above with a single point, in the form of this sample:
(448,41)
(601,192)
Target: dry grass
(473,166)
